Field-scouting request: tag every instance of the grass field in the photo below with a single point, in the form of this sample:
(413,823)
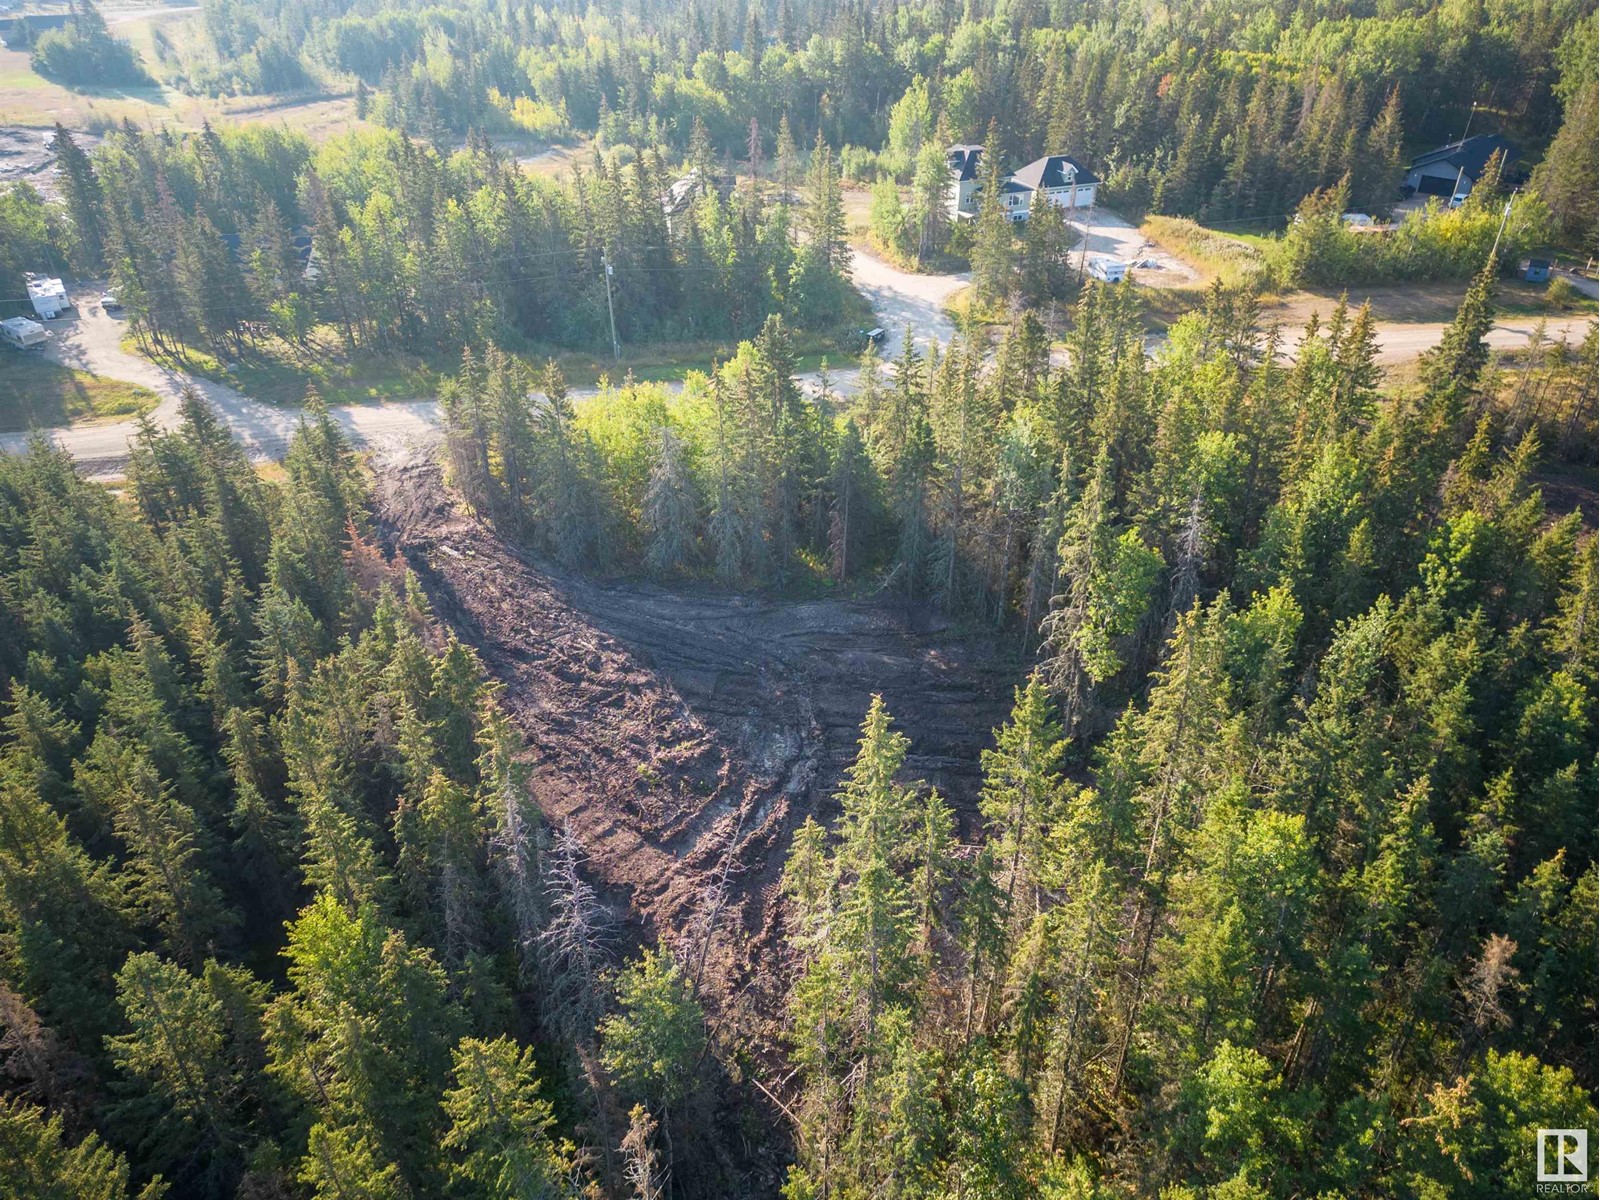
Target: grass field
(1422,302)
(1214,255)
(280,374)
(38,394)
(29,100)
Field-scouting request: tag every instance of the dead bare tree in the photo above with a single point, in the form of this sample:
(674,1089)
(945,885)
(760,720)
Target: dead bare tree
(517,849)
(639,1156)
(574,942)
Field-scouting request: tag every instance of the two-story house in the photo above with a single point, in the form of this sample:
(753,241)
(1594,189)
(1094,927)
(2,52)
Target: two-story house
(963,188)
(1057,179)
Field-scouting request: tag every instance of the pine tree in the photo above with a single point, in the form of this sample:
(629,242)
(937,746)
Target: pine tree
(516,840)
(824,224)
(932,855)
(85,199)
(671,511)
(61,925)
(500,1125)
(575,944)
(467,430)
(1023,788)
(929,205)
(851,489)
(36,1161)
(993,253)
(1381,162)
(362,1031)
(194,1054)
(786,162)
(654,1044)
(167,887)
(1456,365)
(346,1164)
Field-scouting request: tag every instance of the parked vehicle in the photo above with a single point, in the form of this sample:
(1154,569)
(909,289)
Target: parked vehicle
(1108,270)
(22,333)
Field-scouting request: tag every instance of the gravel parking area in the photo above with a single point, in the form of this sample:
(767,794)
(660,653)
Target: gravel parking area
(1113,237)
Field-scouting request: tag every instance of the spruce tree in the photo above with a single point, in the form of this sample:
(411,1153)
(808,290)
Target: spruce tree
(670,515)
(500,1125)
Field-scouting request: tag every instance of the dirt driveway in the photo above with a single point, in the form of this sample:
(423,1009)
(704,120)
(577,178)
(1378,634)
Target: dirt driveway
(1111,236)
(91,341)
(902,300)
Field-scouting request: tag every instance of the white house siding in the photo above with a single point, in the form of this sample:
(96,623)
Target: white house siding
(963,197)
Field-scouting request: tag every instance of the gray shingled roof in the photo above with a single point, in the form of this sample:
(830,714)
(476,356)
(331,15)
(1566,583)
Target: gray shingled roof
(1048,172)
(963,160)
(1469,157)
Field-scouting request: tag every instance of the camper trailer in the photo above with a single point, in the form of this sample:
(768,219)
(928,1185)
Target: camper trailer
(1108,270)
(49,296)
(22,333)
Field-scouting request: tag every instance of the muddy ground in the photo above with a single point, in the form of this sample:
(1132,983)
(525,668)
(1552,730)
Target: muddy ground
(684,734)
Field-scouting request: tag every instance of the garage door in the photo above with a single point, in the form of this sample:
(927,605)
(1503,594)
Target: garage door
(1436,185)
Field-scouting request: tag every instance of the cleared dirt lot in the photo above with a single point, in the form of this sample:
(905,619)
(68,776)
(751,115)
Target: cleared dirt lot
(1110,236)
(24,158)
(683,734)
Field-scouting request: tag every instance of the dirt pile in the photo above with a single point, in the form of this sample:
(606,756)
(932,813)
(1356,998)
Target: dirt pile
(684,734)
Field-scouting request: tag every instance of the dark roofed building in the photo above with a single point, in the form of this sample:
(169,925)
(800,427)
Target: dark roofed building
(1055,172)
(1437,172)
(1059,179)
(963,160)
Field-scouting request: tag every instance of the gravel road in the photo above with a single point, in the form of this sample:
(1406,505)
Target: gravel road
(92,341)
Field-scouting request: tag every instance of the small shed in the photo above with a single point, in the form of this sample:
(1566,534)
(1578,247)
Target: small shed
(49,296)
(1536,270)
(22,333)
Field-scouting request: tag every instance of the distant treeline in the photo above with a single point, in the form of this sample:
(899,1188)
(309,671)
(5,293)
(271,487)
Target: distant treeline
(1200,110)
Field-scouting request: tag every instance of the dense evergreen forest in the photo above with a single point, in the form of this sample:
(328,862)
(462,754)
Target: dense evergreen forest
(427,238)
(1286,880)
(1278,881)
(225,237)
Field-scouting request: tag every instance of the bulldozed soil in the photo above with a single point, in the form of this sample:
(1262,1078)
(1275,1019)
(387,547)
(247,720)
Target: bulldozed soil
(683,734)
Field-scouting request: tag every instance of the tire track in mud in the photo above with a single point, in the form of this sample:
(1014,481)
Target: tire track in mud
(685,733)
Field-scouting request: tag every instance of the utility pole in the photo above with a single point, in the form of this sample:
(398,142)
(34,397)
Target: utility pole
(1071,175)
(616,346)
(1463,142)
(1088,227)
(1504,217)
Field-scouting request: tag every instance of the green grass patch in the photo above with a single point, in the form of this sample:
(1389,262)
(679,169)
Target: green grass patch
(39,394)
(279,373)
(670,362)
(863,238)
(1234,259)
(966,309)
